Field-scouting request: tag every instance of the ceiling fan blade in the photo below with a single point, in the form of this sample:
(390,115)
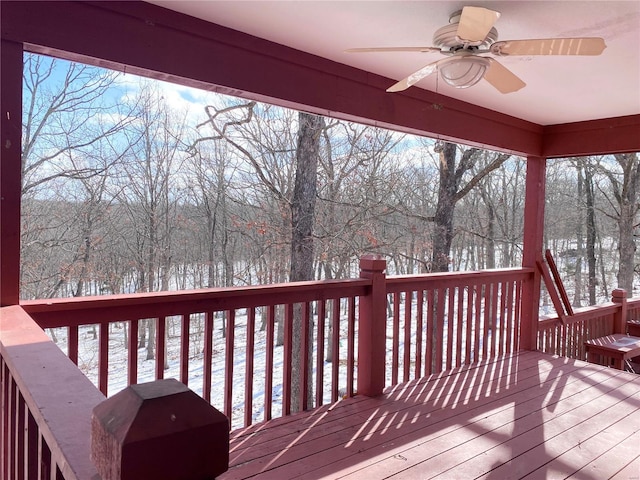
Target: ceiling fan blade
(502,79)
(475,23)
(417,76)
(392,49)
(551,46)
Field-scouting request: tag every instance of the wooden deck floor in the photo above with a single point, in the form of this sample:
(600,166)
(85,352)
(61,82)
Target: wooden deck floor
(521,416)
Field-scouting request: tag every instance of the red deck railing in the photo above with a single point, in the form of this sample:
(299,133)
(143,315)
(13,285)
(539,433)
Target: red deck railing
(438,321)
(452,319)
(231,366)
(422,324)
(567,339)
(46,405)
(387,330)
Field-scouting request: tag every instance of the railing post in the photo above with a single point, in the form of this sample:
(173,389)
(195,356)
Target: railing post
(372,327)
(619,296)
(158,430)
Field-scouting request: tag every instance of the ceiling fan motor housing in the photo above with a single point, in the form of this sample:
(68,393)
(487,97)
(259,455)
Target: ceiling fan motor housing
(446,37)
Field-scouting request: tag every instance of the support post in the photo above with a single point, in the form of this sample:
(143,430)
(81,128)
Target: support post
(372,328)
(10,170)
(619,296)
(532,249)
(158,430)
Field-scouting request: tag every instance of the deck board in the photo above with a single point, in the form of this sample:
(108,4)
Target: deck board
(527,415)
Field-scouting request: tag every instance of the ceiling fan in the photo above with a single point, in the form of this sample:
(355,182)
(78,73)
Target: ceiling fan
(471,34)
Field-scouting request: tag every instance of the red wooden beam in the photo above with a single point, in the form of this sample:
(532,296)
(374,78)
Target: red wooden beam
(145,39)
(594,137)
(10,170)
(532,249)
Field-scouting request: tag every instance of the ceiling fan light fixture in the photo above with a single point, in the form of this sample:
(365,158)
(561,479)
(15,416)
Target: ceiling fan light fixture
(464,71)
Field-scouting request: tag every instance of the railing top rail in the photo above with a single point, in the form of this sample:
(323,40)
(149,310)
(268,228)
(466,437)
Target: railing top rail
(95,309)
(580,315)
(63,412)
(448,279)
(59,312)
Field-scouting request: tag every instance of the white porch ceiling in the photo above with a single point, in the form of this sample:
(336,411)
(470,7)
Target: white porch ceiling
(558,90)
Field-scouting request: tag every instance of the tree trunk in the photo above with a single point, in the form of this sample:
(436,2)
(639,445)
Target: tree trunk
(627,246)
(626,221)
(329,353)
(591,234)
(443,218)
(579,239)
(302,219)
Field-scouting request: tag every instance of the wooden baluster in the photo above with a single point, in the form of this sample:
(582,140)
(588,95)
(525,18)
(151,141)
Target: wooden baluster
(248,374)
(419,327)
(469,326)
(459,324)
(228,370)
(287,359)
(321,305)
(395,349)
(72,343)
(335,340)
(406,348)
(103,357)
(185,330)
(429,333)
(351,339)
(451,293)
(132,353)
(304,358)
(208,356)
(268,381)
(161,330)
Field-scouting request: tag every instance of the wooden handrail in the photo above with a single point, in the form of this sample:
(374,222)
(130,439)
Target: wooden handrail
(38,376)
(65,312)
(579,315)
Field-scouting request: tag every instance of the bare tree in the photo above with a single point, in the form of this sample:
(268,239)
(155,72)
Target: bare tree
(213,174)
(303,204)
(624,187)
(590,232)
(71,120)
(451,189)
(64,117)
(150,196)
